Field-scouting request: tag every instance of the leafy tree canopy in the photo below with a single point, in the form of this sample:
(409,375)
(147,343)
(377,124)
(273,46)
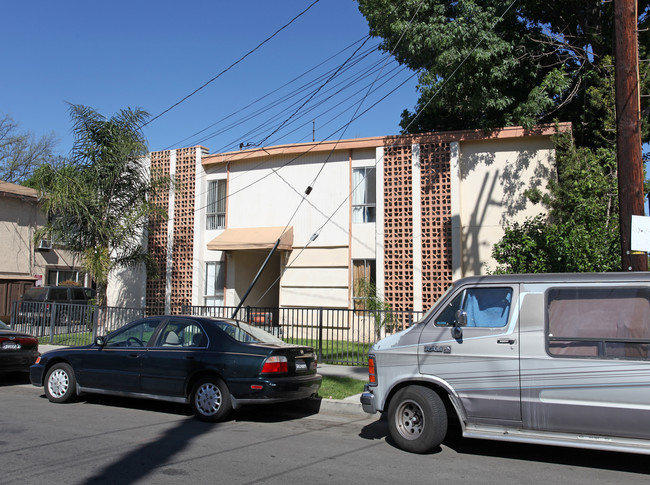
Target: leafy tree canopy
(494,63)
(21,152)
(97,202)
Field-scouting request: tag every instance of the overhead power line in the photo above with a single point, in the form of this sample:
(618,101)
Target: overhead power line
(232,65)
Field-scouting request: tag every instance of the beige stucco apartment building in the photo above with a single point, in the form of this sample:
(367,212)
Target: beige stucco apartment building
(412,212)
(25,262)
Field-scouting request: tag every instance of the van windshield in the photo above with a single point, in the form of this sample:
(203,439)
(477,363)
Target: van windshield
(427,314)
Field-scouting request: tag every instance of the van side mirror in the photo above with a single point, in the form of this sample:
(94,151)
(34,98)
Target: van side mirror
(461,318)
(461,321)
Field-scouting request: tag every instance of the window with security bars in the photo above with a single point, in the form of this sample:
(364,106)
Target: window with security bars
(216,207)
(364,195)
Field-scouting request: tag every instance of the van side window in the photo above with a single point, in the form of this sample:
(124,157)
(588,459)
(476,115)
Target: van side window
(611,323)
(485,307)
(59,294)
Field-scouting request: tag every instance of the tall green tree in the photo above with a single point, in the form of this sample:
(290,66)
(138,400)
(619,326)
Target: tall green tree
(495,63)
(98,201)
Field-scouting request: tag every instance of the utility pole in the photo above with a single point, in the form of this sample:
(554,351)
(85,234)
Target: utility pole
(628,129)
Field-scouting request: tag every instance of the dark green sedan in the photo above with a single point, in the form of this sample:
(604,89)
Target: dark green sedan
(214,364)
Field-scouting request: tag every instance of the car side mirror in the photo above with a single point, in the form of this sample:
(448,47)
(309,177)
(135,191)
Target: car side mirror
(100,341)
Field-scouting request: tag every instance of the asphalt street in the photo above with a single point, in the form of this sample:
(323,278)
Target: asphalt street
(107,440)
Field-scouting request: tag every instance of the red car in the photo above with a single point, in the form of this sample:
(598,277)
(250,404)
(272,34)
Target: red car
(18,350)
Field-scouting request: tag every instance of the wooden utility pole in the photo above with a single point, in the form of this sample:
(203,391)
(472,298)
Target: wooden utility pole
(628,129)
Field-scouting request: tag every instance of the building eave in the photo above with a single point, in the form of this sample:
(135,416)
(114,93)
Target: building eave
(379,141)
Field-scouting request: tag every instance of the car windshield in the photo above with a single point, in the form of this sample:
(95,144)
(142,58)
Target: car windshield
(242,332)
(4,326)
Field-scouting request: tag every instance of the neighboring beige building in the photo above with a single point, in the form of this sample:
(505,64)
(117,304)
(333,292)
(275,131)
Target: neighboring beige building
(414,212)
(25,263)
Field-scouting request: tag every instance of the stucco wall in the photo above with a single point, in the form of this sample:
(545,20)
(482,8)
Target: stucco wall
(19,219)
(493,175)
(17,225)
(270,194)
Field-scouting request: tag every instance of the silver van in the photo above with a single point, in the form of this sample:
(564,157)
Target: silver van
(558,359)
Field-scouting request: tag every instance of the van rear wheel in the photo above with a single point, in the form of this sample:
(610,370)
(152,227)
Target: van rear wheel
(417,419)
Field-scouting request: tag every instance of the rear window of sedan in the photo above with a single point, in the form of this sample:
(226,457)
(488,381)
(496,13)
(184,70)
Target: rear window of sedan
(245,333)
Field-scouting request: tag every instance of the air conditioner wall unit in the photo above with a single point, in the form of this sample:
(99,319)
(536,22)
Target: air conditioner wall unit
(45,244)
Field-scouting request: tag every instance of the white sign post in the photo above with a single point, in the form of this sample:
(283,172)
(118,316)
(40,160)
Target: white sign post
(640,238)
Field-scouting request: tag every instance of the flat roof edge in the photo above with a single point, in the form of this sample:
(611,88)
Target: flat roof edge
(382,141)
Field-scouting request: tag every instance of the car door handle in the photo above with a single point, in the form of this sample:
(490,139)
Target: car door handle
(189,357)
(134,356)
(507,341)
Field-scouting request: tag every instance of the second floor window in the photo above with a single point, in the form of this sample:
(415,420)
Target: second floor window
(216,208)
(363,195)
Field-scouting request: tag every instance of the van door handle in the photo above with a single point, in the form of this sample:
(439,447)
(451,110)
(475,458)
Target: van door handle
(507,341)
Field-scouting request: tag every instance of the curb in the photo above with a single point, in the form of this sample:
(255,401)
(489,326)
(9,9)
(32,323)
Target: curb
(341,406)
(349,405)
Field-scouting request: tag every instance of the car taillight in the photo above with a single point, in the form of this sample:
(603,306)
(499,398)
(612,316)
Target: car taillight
(275,364)
(372,373)
(27,340)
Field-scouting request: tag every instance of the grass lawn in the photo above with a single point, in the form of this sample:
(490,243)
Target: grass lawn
(340,387)
(335,351)
(83,338)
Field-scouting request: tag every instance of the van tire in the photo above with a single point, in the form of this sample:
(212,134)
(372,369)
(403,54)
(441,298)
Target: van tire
(417,419)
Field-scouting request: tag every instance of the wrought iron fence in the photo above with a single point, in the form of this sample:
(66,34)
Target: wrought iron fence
(69,324)
(339,336)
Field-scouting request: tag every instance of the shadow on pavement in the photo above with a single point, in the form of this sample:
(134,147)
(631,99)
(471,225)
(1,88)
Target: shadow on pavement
(267,413)
(278,412)
(576,457)
(13,378)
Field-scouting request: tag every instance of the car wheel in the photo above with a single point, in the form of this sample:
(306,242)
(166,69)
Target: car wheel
(60,383)
(417,419)
(210,400)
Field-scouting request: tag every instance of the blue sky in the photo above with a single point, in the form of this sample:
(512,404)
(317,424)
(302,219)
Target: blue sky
(118,54)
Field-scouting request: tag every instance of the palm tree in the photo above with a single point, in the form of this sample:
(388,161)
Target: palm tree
(98,201)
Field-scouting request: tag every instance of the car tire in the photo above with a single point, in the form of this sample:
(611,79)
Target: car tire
(417,419)
(210,400)
(60,383)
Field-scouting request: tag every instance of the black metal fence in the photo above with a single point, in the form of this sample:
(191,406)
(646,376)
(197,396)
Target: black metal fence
(69,324)
(339,336)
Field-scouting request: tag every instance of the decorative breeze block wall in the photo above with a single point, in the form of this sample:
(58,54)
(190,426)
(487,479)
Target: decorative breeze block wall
(435,187)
